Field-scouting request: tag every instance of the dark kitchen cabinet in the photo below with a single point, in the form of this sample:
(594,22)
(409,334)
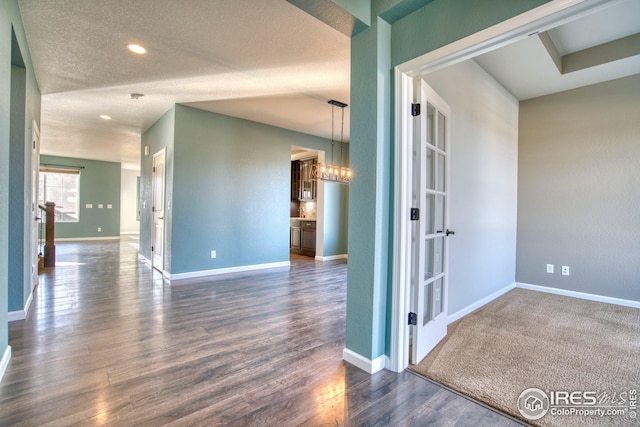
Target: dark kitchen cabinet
(303,186)
(302,235)
(308,238)
(295,180)
(295,237)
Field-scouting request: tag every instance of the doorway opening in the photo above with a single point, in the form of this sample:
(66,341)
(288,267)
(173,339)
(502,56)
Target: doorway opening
(518,28)
(306,209)
(158,210)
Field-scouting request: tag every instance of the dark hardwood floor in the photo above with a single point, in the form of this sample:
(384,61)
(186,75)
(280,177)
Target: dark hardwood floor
(109,342)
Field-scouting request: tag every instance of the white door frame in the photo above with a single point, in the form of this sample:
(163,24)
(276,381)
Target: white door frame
(162,153)
(540,19)
(35,210)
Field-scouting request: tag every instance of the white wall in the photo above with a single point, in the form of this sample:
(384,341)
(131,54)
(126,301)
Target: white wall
(128,197)
(483,182)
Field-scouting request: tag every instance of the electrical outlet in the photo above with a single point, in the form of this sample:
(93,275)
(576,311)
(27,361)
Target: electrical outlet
(99,229)
(213,254)
(565,270)
(550,268)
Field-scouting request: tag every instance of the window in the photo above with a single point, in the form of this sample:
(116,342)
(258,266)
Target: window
(61,186)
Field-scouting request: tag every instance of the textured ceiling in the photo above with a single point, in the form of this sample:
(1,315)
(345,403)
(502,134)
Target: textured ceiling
(263,60)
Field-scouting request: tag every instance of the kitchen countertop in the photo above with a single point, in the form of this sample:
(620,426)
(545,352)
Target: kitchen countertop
(302,219)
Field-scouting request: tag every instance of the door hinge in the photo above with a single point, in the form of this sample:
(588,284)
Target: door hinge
(153,169)
(413,318)
(414,214)
(151,248)
(415,110)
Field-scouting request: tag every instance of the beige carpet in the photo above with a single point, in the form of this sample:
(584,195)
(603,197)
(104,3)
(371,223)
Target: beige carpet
(526,339)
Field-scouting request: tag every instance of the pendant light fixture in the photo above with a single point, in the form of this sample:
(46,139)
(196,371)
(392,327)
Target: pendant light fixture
(333,172)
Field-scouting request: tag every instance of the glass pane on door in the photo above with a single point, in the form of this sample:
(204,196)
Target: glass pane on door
(428,308)
(431,112)
(428,258)
(439,214)
(438,255)
(440,141)
(430,170)
(429,213)
(440,165)
(438,298)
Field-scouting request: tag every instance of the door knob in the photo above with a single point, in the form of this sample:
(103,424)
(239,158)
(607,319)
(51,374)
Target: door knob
(449,232)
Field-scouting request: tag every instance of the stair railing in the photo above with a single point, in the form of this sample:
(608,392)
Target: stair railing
(49,245)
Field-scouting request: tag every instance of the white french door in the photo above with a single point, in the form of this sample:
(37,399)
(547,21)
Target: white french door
(431,145)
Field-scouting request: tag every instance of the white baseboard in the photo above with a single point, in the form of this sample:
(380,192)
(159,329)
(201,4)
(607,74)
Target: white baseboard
(332,257)
(12,316)
(214,272)
(28,304)
(367,365)
(4,363)
(83,239)
(144,259)
(129,233)
(581,295)
(476,305)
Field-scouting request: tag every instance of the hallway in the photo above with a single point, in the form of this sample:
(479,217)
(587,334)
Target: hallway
(109,342)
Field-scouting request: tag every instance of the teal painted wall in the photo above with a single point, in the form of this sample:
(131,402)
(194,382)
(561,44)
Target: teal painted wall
(231,191)
(360,9)
(237,173)
(442,22)
(336,203)
(374,52)
(99,184)
(17,190)
(159,136)
(228,190)
(370,200)
(10,21)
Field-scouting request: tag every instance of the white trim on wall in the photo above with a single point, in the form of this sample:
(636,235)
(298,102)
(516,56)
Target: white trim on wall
(542,18)
(4,363)
(476,305)
(217,271)
(82,239)
(367,365)
(12,316)
(581,295)
(331,257)
(539,19)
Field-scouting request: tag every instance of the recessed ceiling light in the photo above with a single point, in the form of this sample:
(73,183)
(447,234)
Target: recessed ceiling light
(105,117)
(136,48)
